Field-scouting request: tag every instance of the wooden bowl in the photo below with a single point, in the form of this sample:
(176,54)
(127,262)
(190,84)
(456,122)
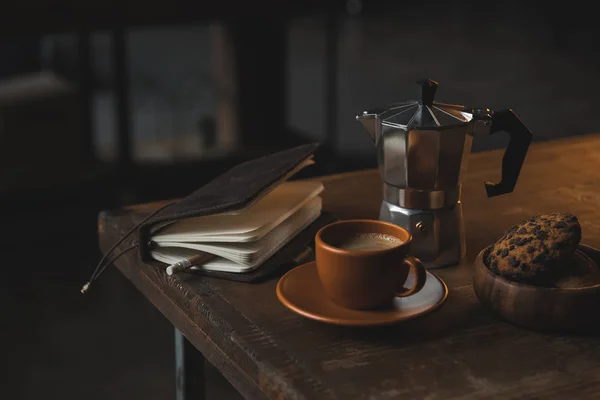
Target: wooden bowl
(537,307)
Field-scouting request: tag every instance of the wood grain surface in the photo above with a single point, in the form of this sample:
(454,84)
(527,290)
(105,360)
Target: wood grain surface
(458,352)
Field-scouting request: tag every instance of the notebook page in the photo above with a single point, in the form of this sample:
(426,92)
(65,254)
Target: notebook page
(250,225)
(224,264)
(247,252)
(309,161)
(272,243)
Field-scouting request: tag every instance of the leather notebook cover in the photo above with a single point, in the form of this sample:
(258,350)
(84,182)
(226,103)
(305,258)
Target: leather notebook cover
(236,189)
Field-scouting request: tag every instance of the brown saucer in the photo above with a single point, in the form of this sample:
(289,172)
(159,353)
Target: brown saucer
(300,290)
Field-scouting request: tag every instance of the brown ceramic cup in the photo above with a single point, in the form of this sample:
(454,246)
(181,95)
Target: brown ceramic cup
(365,279)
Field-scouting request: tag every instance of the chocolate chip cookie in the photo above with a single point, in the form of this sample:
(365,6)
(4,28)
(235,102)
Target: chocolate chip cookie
(535,250)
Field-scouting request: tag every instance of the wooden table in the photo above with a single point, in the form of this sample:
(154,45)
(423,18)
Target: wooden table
(458,352)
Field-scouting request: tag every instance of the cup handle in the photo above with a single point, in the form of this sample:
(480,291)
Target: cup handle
(420,273)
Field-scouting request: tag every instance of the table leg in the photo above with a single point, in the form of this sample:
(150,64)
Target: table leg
(189,374)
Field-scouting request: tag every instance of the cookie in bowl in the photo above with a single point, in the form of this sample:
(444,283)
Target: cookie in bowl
(536,250)
(538,275)
(567,304)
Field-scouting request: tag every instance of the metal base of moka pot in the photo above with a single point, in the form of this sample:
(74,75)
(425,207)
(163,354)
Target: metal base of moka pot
(438,235)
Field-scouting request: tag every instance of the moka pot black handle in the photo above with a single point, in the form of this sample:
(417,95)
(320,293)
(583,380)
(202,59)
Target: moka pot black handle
(514,156)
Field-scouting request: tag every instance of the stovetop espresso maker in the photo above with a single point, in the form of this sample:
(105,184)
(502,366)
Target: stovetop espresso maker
(422,149)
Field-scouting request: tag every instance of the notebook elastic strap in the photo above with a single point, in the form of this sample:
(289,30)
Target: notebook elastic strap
(105,261)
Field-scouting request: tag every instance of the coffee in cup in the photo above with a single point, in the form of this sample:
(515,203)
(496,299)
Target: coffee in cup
(369,241)
(364,264)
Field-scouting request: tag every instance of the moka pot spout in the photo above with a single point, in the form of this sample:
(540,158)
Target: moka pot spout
(372,124)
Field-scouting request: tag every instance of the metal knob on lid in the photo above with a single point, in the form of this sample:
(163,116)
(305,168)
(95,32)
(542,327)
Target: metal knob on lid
(423,113)
(427,92)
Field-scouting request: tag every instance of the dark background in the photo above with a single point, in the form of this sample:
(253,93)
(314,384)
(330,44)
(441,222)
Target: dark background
(326,60)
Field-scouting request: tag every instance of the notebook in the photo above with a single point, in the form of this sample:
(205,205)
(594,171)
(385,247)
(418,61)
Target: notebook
(241,240)
(248,224)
